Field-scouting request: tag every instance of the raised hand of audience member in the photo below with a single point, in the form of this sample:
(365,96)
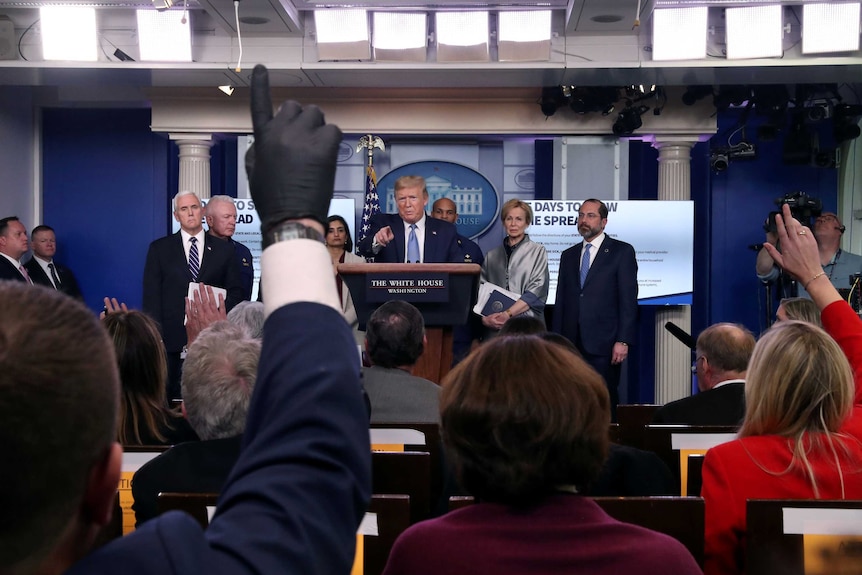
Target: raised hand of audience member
(111,306)
(291,166)
(203,311)
(799,257)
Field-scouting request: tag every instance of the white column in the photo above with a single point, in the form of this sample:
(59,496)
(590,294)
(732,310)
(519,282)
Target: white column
(673,359)
(194,155)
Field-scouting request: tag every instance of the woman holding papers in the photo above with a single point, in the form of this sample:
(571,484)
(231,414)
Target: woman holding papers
(802,433)
(519,267)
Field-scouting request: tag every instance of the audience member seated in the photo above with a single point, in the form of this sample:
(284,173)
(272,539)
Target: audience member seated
(300,488)
(802,433)
(249,316)
(722,353)
(799,308)
(218,378)
(523,325)
(144,417)
(526,423)
(394,340)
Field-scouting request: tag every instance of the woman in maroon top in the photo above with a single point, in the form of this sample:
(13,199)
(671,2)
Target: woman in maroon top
(526,423)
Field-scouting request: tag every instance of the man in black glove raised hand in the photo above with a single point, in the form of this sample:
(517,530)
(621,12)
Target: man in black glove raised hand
(303,480)
(291,166)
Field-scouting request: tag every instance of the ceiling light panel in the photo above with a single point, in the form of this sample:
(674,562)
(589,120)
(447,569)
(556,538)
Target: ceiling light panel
(679,33)
(163,37)
(524,36)
(754,32)
(342,34)
(400,36)
(462,36)
(69,33)
(830,27)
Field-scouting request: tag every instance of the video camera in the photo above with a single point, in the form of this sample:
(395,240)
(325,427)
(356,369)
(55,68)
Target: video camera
(802,207)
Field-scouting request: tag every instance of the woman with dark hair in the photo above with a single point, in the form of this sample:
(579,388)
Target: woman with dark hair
(340,246)
(144,417)
(801,437)
(519,265)
(525,422)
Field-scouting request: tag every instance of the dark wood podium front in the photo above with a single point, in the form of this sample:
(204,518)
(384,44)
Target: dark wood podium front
(441,310)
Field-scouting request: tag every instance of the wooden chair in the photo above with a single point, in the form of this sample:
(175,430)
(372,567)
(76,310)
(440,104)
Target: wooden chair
(632,418)
(778,530)
(414,437)
(694,481)
(674,443)
(387,517)
(201,506)
(392,514)
(406,473)
(680,517)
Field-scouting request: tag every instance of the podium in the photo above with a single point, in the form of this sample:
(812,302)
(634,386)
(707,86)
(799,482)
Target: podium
(443,293)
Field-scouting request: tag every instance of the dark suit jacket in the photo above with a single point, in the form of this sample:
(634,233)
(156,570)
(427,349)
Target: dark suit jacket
(399,397)
(441,241)
(631,472)
(167,278)
(9,271)
(302,482)
(68,283)
(604,311)
(246,268)
(718,406)
(470,251)
(192,467)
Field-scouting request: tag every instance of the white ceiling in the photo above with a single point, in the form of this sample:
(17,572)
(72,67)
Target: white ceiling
(595,44)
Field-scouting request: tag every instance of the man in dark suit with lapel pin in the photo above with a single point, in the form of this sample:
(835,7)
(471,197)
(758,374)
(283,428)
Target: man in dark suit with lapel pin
(46,271)
(13,245)
(177,260)
(410,236)
(597,296)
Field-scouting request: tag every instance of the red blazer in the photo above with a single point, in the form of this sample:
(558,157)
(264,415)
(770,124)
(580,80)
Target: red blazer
(752,467)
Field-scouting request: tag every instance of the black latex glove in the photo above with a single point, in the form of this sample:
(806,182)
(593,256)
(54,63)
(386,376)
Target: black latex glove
(291,166)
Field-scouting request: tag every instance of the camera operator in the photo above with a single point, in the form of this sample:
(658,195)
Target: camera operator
(838,265)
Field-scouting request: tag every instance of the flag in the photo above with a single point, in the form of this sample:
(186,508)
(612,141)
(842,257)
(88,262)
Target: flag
(371,206)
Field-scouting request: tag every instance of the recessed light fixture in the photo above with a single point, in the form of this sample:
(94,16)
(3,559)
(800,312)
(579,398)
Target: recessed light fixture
(606,18)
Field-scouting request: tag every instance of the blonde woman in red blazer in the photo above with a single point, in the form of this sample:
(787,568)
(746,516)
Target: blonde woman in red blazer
(802,433)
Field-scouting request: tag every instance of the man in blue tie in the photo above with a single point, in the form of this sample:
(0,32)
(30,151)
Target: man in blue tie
(597,296)
(177,260)
(410,236)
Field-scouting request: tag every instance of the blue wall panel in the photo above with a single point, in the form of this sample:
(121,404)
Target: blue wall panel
(105,192)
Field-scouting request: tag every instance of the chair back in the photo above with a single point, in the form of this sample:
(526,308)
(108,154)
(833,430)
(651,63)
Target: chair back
(632,418)
(405,473)
(674,444)
(795,537)
(694,481)
(201,506)
(414,437)
(680,517)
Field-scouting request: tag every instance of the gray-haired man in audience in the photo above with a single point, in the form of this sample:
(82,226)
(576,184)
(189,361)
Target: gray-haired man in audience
(218,379)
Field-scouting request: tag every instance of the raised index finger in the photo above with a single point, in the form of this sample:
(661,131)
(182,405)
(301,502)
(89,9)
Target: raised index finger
(261,102)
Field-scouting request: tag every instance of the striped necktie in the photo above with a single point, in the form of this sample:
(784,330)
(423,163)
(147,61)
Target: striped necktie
(194,261)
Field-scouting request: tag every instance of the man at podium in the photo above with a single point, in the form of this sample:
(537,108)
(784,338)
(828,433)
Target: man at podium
(410,236)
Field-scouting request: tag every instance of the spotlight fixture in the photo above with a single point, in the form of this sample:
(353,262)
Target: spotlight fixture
(629,120)
(552,98)
(584,100)
(799,143)
(227,89)
(845,122)
(720,158)
(694,94)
